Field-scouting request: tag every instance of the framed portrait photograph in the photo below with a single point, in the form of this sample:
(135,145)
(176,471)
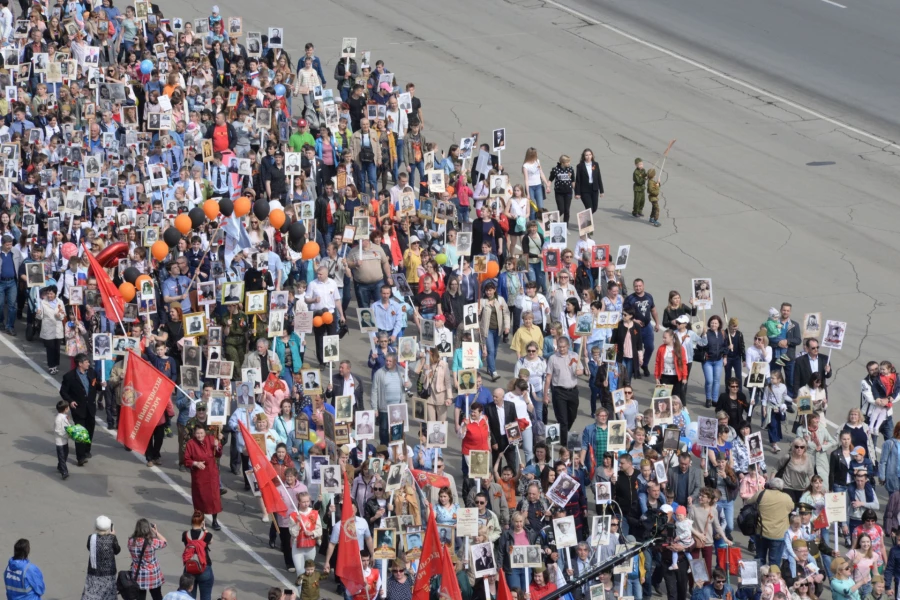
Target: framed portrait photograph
(195,324)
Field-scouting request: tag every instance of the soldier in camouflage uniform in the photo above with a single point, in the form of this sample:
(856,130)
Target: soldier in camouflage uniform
(235,326)
(653,194)
(640,181)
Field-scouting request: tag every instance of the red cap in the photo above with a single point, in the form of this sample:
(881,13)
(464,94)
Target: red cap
(301,123)
(440,318)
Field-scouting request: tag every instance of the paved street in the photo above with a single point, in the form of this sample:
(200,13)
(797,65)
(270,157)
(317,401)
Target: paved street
(741,205)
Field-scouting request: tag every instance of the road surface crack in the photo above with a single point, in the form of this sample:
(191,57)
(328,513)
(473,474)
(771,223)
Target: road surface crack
(865,335)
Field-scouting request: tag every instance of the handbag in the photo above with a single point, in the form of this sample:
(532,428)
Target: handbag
(126,584)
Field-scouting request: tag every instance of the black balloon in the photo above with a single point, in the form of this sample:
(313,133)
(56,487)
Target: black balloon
(261,209)
(297,233)
(198,217)
(287,225)
(171,236)
(226,207)
(131,274)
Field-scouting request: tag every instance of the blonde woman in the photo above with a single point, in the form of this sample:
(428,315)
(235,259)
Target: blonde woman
(535,180)
(307,81)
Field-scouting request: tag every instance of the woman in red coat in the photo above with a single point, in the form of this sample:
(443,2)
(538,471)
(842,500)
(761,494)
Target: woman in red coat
(200,456)
(476,434)
(672,365)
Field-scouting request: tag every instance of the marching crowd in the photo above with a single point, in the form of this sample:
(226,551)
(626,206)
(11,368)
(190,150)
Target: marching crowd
(240,207)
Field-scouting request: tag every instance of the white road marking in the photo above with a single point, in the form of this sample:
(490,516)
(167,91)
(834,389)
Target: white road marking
(273,571)
(834,3)
(744,84)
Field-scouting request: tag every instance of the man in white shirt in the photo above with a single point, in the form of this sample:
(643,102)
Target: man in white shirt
(6,22)
(323,295)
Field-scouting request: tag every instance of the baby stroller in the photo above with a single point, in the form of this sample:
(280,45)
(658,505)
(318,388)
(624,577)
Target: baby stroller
(32,327)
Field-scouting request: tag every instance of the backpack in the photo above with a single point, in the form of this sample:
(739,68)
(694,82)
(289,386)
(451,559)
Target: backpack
(749,519)
(194,556)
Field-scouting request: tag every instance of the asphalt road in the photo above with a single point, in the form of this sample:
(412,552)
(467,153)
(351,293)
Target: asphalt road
(741,205)
(843,59)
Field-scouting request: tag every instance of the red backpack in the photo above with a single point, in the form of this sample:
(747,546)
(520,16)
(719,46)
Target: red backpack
(194,556)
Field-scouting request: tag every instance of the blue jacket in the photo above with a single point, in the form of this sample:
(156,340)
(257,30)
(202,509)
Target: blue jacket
(334,149)
(892,569)
(296,351)
(23,580)
(708,593)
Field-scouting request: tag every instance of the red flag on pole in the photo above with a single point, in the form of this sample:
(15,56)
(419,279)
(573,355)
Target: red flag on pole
(113,302)
(145,395)
(428,577)
(449,583)
(424,478)
(265,474)
(349,565)
(503,592)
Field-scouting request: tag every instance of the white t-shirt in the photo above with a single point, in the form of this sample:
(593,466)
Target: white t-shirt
(532,173)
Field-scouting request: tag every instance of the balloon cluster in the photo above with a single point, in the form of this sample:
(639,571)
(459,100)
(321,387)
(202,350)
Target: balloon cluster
(211,209)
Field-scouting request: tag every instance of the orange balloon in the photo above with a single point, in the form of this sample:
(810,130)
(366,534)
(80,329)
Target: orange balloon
(141,279)
(276,218)
(211,209)
(317,322)
(183,223)
(327,318)
(493,269)
(310,250)
(127,290)
(450,190)
(242,206)
(159,250)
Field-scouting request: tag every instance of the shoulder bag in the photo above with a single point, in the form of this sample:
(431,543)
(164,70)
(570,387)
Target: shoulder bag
(126,581)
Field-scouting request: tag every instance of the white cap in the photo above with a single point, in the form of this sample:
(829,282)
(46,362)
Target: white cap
(103,523)
(666,509)
(683,319)
(215,9)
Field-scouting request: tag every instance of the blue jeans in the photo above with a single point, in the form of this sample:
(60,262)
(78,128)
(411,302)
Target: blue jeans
(368,173)
(413,167)
(8,292)
(733,369)
(368,293)
(647,338)
(769,552)
(536,274)
(712,373)
(633,587)
(728,507)
(536,193)
(788,371)
(463,214)
(516,579)
(204,582)
(539,404)
(399,159)
(492,341)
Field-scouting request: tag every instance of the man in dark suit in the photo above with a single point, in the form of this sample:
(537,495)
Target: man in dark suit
(79,388)
(499,413)
(788,339)
(314,169)
(345,383)
(811,363)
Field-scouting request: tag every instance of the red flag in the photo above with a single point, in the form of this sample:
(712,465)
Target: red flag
(265,474)
(145,395)
(424,478)
(449,582)
(428,577)
(113,302)
(349,565)
(503,592)
(821,521)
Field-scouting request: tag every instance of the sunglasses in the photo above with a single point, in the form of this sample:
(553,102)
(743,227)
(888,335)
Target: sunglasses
(378,489)
(396,570)
(627,393)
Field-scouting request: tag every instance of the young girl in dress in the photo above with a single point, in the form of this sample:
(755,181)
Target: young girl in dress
(775,399)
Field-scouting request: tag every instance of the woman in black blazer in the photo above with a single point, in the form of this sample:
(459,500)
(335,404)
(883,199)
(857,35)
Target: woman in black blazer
(588,188)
